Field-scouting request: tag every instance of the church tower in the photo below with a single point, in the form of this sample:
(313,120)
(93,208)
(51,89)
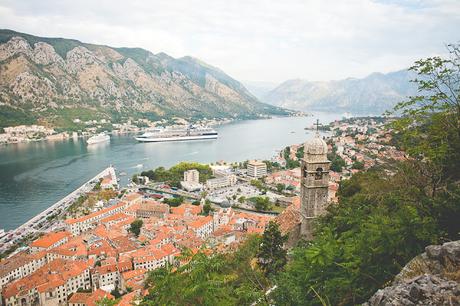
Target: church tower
(314,184)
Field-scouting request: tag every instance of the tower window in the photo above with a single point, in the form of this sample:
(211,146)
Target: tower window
(319,173)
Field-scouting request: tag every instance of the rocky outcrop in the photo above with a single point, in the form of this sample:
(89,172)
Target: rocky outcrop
(38,74)
(431,278)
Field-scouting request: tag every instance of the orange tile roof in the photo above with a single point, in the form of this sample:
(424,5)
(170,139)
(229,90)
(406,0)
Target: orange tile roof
(127,299)
(90,299)
(50,276)
(114,217)
(133,273)
(200,222)
(106,269)
(290,217)
(183,208)
(49,239)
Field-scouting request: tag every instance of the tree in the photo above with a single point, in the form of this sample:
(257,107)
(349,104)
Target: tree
(207,208)
(221,279)
(241,199)
(272,257)
(174,202)
(136,226)
(430,125)
(280,187)
(105,301)
(358,165)
(261,203)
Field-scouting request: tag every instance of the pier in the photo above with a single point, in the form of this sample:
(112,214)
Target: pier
(40,222)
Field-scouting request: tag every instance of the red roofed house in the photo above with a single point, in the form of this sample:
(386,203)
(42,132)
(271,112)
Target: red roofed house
(203,226)
(49,285)
(105,277)
(49,241)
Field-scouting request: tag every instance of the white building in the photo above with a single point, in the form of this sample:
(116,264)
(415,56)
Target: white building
(192,176)
(257,169)
(221,182)
(191,180)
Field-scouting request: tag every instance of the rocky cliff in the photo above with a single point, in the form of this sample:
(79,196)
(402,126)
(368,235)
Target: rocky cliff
(431,278)
(51,78)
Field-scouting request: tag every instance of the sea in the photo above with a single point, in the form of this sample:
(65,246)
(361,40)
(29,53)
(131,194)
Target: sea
(33,176)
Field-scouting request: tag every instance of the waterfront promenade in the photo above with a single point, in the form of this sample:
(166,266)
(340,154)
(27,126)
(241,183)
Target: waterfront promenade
(43,221)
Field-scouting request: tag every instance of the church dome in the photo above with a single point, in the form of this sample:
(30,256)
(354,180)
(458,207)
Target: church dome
(315,146)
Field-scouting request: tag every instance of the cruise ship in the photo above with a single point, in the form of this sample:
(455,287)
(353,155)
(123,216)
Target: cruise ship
(178,134)
(102,137)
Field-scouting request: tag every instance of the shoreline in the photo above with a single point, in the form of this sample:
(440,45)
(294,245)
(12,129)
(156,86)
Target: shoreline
(29,227)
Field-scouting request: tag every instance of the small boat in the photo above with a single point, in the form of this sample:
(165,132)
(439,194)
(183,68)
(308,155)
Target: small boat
(102,137)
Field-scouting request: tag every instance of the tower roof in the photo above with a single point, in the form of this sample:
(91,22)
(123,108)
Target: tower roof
(315,146)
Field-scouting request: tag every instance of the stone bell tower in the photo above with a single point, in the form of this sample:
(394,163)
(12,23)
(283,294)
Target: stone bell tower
(314,184)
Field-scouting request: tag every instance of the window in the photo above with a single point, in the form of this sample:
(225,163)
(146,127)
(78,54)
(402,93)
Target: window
(319,174)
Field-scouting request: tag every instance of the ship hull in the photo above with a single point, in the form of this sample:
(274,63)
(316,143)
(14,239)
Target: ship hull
(176,138)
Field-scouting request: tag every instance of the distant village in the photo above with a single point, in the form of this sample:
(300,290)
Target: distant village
(82,128)
(106,240)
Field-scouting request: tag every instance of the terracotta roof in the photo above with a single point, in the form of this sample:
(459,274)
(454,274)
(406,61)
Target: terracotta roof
(130,274)
(48,277)
(200,222)
(186,208)
(90,299)
(127,299)
(49,239)
(290,217)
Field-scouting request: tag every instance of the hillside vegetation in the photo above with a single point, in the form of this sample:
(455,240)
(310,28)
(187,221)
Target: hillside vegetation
(384,218)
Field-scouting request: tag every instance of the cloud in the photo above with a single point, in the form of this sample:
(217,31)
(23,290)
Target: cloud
(255,39)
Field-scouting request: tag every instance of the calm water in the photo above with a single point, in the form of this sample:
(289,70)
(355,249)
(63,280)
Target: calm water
(34,176)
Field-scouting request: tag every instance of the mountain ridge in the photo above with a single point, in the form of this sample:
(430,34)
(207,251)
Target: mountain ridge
(50,77)
(373,94)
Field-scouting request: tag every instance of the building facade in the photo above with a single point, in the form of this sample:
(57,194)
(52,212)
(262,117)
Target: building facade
(314,184)
(257,169)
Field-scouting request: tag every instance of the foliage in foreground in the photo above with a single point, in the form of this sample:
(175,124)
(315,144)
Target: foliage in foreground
(221,279)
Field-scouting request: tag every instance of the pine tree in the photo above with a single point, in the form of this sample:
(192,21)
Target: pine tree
(272,257)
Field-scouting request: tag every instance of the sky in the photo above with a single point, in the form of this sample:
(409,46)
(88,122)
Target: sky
(256,40)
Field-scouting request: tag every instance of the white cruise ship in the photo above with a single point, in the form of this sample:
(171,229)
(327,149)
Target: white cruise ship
(178,134)
(102,137)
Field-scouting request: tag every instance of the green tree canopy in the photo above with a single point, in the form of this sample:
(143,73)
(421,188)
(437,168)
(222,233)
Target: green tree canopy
(136,226)
(272,256)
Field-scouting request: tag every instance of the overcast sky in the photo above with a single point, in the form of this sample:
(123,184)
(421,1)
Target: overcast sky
(254,39)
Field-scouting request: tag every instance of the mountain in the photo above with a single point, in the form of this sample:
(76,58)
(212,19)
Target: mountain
(373,94)
(259,88)
(55,80)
